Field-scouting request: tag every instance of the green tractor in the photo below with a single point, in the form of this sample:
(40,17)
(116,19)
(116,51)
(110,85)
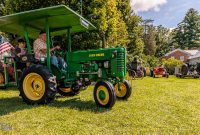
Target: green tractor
(40,81)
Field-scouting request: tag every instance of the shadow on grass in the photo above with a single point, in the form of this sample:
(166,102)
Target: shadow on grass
(78,104)
(8,89)
(189,78)
(13,104)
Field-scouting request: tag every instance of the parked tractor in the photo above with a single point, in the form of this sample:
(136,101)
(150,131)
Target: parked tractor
(189,71)
(40,80)
(160,72)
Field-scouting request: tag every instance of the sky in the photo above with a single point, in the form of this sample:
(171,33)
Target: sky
(164,12)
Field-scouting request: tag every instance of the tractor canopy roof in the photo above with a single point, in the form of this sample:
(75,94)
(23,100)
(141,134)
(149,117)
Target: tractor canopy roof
(59,19)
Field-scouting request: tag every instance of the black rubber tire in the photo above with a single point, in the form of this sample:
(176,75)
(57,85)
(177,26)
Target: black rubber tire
(128,92)
(110,90)
(50,84)
(184,69)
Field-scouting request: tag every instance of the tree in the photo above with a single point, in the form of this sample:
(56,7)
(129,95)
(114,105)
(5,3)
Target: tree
(2,5)
(125,8)
(150,43)
(188,31)
(162,40)
(136,45)
(109,23)
(135,30)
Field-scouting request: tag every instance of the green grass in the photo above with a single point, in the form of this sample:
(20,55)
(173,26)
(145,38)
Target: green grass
(156,106)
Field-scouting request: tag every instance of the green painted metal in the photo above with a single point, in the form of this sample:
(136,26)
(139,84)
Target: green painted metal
(57,72)
(115,57)
(6,71)
(27,40)
(59,17)
(102,95)
(48,44)
(6,75)
(69,39)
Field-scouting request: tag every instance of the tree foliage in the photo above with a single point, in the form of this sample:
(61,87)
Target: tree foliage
(150,61)
(109,21)
(170,64)
(162,38)
(150,43)
(136,44)
(188,31)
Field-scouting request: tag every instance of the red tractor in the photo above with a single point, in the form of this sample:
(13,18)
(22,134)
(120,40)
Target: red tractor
(160,72)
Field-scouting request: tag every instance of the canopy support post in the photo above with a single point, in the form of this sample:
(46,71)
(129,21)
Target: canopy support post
(48,45)
(69,40)
(27,40)
(69,49)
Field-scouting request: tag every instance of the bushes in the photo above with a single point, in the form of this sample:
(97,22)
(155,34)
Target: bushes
(150,61)
(171,63)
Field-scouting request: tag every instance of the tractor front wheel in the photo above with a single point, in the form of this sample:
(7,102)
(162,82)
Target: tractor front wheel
(123,90)
(37,85)
(104,94)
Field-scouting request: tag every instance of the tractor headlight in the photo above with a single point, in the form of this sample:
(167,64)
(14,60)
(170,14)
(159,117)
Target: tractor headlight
(106,64)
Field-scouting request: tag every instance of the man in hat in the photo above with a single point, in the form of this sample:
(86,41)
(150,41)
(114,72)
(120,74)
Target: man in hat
(40,48)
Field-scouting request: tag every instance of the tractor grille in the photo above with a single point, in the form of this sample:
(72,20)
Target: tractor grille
(120,62)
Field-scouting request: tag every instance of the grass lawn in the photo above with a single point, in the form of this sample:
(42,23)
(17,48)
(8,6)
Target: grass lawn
(156,106)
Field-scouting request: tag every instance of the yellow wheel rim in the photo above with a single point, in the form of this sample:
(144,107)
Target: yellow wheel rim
(1,78)
(102,95)
(34,86)
(120,90)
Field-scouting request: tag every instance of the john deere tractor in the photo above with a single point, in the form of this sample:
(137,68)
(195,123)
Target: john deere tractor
(40,81)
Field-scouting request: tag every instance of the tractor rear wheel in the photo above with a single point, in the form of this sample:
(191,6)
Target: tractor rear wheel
(2,79)
(37,85)
(123,90)
(104,94)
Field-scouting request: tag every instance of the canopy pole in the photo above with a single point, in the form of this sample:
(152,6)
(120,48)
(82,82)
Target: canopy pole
(69,40)
(69,49)
(27,40)
(48,44)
